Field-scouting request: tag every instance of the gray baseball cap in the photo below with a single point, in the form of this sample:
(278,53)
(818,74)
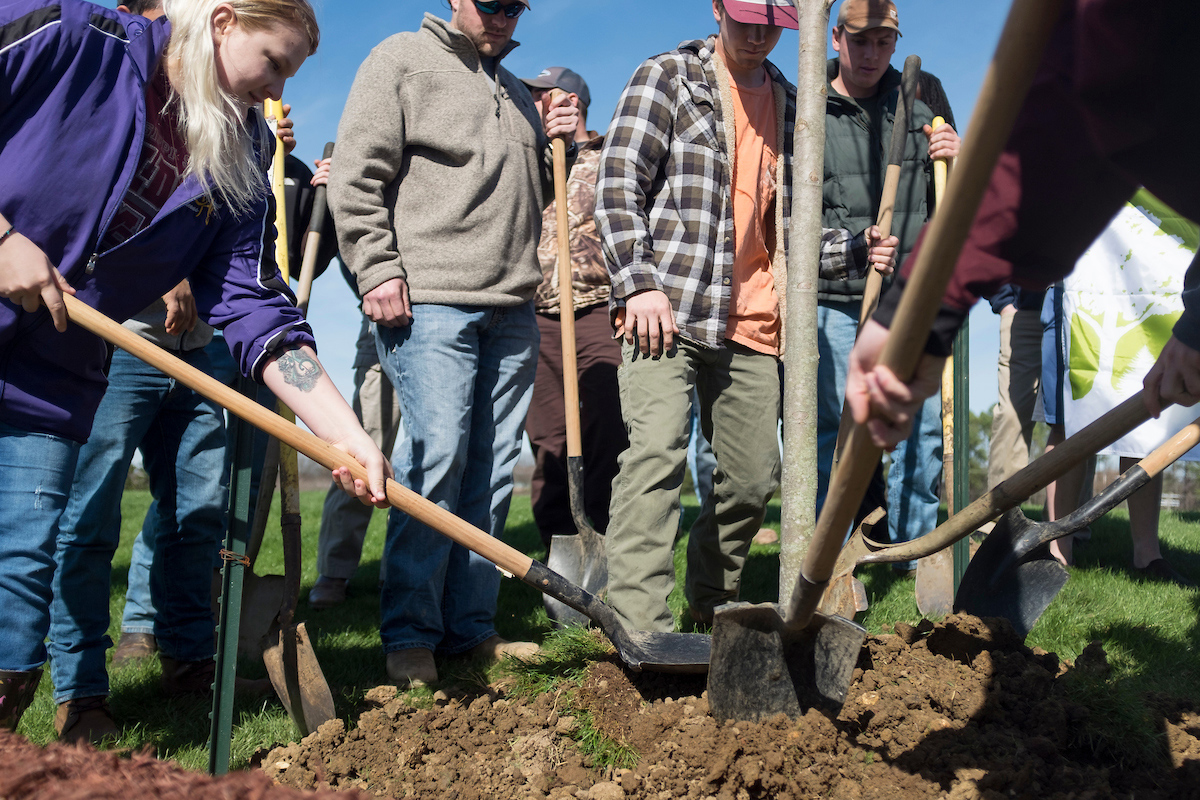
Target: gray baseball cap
(561,78)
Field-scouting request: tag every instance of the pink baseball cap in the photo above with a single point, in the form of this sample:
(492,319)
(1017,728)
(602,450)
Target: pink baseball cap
(763,12)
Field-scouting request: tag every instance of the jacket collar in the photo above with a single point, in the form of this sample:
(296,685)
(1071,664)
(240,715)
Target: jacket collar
(147,43)
(455,41)
(890,80)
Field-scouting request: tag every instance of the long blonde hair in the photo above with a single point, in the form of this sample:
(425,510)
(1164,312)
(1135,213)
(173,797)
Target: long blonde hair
(218,130)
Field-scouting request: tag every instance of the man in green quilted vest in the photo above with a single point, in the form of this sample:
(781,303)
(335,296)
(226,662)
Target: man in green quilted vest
(863,94)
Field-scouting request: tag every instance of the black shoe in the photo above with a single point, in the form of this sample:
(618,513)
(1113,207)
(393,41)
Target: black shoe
(1161,570)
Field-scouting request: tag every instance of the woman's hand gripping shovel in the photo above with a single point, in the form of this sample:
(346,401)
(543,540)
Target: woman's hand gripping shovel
(766,659)
(580,558)
(640,650)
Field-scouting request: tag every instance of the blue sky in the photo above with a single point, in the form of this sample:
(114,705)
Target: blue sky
(604,40)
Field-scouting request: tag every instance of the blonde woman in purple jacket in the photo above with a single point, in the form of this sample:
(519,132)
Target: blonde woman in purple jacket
(155,129)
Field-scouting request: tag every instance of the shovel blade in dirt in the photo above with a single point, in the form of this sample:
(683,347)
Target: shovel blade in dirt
(761,668)
(297,677)
(1006,579)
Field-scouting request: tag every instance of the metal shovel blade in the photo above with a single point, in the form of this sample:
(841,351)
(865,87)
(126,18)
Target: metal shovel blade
(640,650)
(580,558)
(262,596)
(761,668)
(1006,579)
(297,677)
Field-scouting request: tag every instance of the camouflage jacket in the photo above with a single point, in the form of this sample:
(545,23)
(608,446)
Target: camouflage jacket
(590,282)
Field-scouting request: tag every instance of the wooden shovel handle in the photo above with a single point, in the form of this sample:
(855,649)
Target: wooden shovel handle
(303,441)
(1012,492)
(891,180)
(887,208)
(1017,56)
(274,108)
(566,294)
(312,245)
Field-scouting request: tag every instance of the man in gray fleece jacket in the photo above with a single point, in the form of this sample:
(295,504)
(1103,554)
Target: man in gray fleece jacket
(437,188)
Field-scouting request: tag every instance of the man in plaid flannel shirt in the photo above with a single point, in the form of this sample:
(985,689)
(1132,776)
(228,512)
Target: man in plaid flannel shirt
(693,192)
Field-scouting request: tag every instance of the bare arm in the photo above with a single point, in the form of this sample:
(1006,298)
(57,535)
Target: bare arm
(297,378)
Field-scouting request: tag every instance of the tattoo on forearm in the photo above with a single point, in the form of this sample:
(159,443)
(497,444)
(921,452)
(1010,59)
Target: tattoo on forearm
(299,369)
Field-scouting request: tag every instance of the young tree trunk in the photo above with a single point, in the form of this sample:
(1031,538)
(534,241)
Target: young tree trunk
(799,480)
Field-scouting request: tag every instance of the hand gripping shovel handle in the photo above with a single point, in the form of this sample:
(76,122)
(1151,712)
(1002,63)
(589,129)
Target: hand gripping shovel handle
(1017,56)
(303,441)
(312,245)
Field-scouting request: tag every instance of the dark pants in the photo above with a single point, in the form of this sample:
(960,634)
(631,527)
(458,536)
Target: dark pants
(603,431)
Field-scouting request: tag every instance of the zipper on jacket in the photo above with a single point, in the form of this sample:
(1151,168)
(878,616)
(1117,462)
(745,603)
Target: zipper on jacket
(91,265)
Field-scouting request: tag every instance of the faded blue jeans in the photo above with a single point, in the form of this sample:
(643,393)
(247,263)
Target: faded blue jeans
(464,380)
(916,463)
(36,471)
(139,605)
(182,439)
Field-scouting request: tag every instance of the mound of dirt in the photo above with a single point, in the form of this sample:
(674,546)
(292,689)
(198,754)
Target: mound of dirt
(960,709)
(63,772)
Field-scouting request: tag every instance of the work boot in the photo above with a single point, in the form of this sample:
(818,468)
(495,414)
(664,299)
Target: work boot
(495,648)
(187,677)
(133,647)
(327,593)
(16,693)
(412,668)
(85,719)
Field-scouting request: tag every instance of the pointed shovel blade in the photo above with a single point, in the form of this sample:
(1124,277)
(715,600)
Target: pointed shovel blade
(760,668)
(1007,579)
(582,561)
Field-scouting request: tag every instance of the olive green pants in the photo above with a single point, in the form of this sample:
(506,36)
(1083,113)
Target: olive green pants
(739,406)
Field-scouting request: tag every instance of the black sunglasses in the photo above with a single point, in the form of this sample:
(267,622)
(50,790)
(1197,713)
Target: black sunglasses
(491,7)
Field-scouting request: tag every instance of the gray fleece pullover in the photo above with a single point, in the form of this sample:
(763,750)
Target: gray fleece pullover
(440,176)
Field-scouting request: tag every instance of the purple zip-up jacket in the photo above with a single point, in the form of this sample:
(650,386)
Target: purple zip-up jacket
(72,120)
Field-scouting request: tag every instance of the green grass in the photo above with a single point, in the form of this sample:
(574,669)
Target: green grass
(1150,632)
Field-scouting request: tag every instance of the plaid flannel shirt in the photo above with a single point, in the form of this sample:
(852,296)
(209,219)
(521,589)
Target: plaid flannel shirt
(663,198)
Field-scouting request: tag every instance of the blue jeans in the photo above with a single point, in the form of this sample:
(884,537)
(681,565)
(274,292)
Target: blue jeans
(36,471)
(700,459)
(916,464)
(464,379)
(139,606)
(182,439)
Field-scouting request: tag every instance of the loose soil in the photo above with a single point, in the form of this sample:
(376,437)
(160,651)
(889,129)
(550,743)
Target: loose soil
(960,709)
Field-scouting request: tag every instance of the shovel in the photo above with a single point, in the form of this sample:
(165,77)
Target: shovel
(640,650)
(887,208)
(1004,496)
(287,652)
(580,558)
(935,574)
(1013,574)
(767,662)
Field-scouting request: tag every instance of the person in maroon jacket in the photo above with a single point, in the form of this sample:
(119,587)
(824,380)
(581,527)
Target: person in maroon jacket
(1101,119)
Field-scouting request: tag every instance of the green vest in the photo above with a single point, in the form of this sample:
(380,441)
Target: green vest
(855,166)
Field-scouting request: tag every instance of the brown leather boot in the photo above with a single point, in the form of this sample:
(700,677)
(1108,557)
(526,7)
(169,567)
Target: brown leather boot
(133,647)
(16,693)
(85,719)
(187,677)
